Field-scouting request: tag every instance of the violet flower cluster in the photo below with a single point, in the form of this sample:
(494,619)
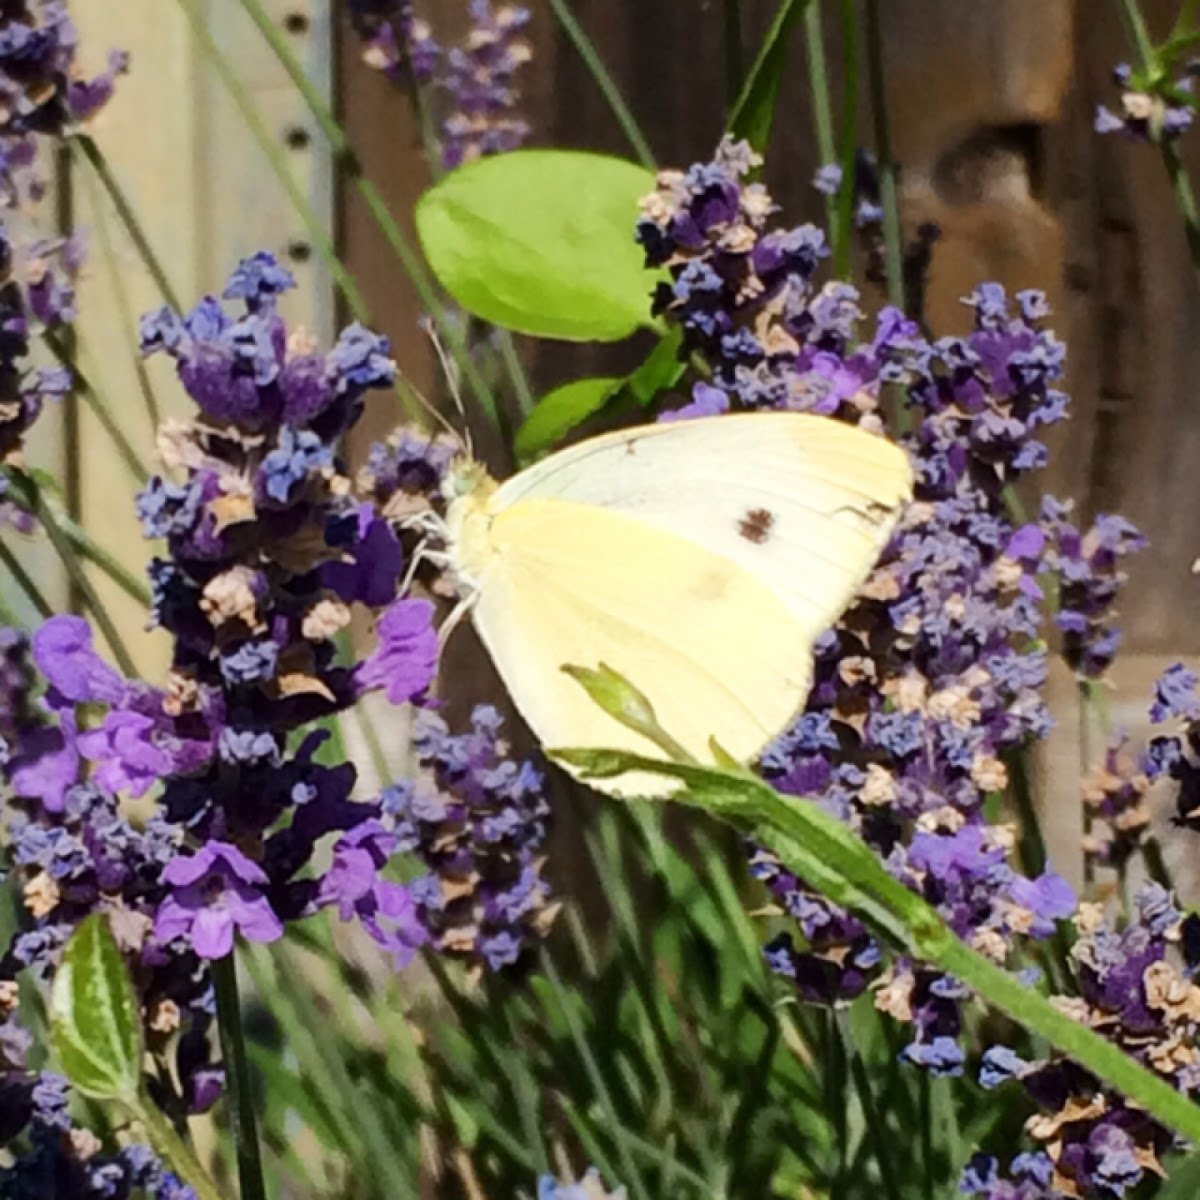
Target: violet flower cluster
(931,683)
(43,91)
(478,822)
(43,95)
(268,554)
(474,84)
(1152,106)
(395,39)
(1135,983)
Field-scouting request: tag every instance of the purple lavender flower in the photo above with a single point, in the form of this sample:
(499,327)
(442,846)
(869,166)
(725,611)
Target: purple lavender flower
(746,297)
(406,658)
(1136,988)
(214,893)
(1090,571)
(1153,107)
(478,821)
(480,84)
(42,91)
(394,38)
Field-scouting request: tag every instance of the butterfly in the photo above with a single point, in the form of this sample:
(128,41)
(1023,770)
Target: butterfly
(699,559)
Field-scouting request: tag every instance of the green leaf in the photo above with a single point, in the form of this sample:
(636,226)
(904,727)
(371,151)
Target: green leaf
(753,114)
(560,411)
(623,702)
(94,1023)
(541,241)
(660,370)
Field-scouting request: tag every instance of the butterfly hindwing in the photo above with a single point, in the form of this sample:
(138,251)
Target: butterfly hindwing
(717,652)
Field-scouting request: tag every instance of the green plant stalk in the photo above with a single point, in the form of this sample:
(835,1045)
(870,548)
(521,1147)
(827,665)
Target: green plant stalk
(237,1070)
(516,371)
(23,580)
(345,157)
(33,499)
(98,404)
(605,82)
(103,560)
(832,858)
(175,1152)
(116,281)
(1186,19)
(277,159)
(1181,185)
(892,237)
(631,1175)
(849,142)
(91,152)
(752,114)
(360,1127)
(733,44)
(818,74)
(876,1128)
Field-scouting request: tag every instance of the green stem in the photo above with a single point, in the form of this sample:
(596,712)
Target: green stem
(735,52)
(834,1078)
(104,560)
(99,406)
(23,580)
(277,159)
(1184,23)
(128,217)
(345,157)
(175,1152)
(116,281)
(33,499)
(237,1072)
(1185,200)
(604,81)
(1181,185)
(874,1118)
(892,237)
(564,999)
(830,857)
(849,141)
(516,371)
(818,74)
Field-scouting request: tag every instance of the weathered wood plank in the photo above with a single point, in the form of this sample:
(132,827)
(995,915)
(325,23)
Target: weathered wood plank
(204,196)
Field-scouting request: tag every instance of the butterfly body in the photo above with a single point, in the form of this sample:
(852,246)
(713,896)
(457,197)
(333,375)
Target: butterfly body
(700,560)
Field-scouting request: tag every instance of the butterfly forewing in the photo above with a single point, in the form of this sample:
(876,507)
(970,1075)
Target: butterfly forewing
(802,502)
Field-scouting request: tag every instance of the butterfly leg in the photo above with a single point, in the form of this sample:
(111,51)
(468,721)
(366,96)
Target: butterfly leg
(460,610)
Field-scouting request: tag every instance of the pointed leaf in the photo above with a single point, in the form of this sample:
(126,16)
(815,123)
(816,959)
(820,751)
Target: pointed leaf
(94,1022)
(660,370)
(753,114)
(541,241)
(560,411)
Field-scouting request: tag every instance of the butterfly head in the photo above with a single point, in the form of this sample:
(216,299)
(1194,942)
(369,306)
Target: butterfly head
(467,478)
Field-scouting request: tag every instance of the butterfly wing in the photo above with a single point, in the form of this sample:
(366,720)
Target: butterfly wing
(717,652)
(803,503)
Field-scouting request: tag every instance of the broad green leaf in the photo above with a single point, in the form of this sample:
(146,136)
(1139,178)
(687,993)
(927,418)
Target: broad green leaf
(541,241)
(94,1023)
(753,114)
(560,411)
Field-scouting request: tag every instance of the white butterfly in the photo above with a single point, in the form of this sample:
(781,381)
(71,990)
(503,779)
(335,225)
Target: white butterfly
(698,559)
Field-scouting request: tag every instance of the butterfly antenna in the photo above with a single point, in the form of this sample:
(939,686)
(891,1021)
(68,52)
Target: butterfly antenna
(464,444)
(451,372)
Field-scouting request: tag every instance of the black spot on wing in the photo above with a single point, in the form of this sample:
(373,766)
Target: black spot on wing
(755,526)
